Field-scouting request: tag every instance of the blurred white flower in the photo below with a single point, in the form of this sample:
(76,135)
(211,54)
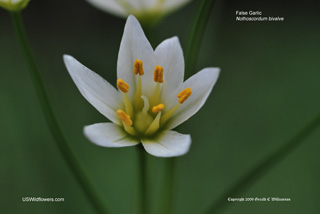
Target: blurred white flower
(147,11)
(13,5)
(152,98)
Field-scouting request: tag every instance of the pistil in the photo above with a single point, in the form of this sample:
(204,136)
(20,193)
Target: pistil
(155,125)
(143,119)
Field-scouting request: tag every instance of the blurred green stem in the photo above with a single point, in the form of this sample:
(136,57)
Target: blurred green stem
(168,184)
(197,31)
(144,202)
(62,144)
(195,38)
(264,166)
(166,196)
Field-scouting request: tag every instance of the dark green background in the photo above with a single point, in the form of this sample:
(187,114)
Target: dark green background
(268,91)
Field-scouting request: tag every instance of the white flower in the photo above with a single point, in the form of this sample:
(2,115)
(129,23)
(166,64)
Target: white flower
(14,5)
(144,10)
(152,98)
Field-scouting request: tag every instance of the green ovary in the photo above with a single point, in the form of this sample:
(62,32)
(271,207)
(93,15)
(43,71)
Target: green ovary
(142,122)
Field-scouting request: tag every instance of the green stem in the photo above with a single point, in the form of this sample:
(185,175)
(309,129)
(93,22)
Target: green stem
(62,144)
(143,208)
(168,185)
(264,166)
(197,31)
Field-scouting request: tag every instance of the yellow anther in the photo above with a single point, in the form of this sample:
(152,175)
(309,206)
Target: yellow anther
(157,108)
(124,118)
(138,67)
(158,74)
(184,94)
(122,85)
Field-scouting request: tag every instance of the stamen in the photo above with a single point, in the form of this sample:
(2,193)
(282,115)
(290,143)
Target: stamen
(124,118)
(122,85)
(168,114)
(138,103)
(158,74)
(157,108)
(156,122)
(184,94)
(146,104)
(158,78)
(126,121)
(138,67)
(154,125)
(156,95)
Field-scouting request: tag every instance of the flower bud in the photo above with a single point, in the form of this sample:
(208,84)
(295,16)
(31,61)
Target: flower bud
(147,11)
(13,5)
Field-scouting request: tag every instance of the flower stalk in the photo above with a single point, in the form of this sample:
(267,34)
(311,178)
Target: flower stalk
(195,38)
(51,119)
(143,180)
(197,31)
(168,186)
(257,172)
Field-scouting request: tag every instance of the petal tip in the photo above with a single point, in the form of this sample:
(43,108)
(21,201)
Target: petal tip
(173,144)
(175,38)
(108,135)
(216,71)
(212,71)
(67,58)
(132,18)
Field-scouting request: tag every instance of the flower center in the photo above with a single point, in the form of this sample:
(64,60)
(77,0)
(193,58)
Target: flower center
(144,116)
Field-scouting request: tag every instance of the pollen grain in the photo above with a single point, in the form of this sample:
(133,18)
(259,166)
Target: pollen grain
(184,94)
(138,67)
(125,118)
(158,74)
(157,108)
(122,85)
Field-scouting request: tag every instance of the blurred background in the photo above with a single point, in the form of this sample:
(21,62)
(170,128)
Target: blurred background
(268,91)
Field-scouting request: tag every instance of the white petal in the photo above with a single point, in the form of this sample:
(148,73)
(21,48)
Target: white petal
(169,55)
(99,93)
(110,6)
(167,144)
(201,85)
(134,45)
(109,135)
